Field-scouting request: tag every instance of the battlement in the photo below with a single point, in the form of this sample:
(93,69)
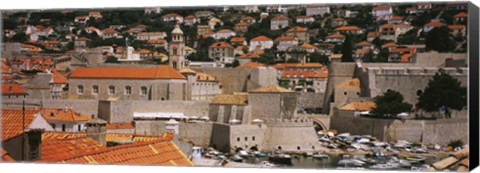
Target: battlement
(294,122)
(429,71)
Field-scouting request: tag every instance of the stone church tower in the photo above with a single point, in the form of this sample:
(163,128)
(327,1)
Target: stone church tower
(176,49)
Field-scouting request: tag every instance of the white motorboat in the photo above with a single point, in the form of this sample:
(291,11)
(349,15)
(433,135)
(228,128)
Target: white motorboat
(320,156)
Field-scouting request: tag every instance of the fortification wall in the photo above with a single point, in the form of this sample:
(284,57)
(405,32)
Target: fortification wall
(199,133)
(89,107)
(310,100)
(232,79)
(220,138)
(440,131)
(338,72)
(284,135)
(189,108)
(247,136)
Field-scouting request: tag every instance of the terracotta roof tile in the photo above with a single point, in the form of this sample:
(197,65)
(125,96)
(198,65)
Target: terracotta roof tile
(57,77)
(381,8)
(171,15)
(361,51)
(347,28)
(109,30)
(261,38)
(390,44)
(230,99)
(159,72)
(298,29)
(372,34)
(253,64)
(308,46)
(67,115)
(364,43)
(271,88)
(120,126)
(156,41)
(456,26)
(286,38)
(359,106)
(339,19)
(5,157)
(280,18)
(187,70)
(352,83)
(237,39)
(205,77)
(336,36)
(305,74)
(221,45)
(241,24)
(435,23)
(225,31)
(12,89)
(405,57)
(12,122)
(396,18)
(461,14)
(54,149)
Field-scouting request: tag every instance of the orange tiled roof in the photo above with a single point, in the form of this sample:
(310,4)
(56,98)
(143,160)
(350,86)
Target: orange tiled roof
(159,72)
(372,34)
(461,14)
(159,152)
(58,78)
(5,157)
(83,39)
(353,83)
(306,74)
(249,55)
(141,26)
(68,115)
(298,29)
(171,15)
(54,149)
(403,25)
(361,51)
(308,46)
(91,28)
(336,36)
(280,18)
(248,18)
(456,26)
(5,69)
(271,88)
(304,17)
(12,89)
(237,39)
(190,17)
(396,18)
(241,24)
(390,44)
(381,8)
(359,106)
(109,30)
(347,28)
(156,41)
(285,38)
(224,31)
(120,126)
(221,45)
(403,50)
(12,122)
(261,38)
(253,64)
(435,23)
(405,57)
(339,19)
(388,25)
(364,43)
(205,77)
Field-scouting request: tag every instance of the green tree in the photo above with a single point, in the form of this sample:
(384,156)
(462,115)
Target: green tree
(439,39)
(347,50)
(320,58)
(443,90)
(390,104)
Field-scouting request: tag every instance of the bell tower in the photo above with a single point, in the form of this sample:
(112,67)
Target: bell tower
(176,49)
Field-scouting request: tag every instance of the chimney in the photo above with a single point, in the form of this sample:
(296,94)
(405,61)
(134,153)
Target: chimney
(97,130)
(172,126)
(32,144)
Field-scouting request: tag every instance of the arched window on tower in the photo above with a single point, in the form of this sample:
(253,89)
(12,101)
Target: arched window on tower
(174,64)
(174,51)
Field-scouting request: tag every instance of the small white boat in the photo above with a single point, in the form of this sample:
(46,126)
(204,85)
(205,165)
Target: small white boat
(320,156)
(242,153)
(351,162)
(266,164)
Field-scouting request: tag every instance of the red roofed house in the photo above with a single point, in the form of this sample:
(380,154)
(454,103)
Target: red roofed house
(303,77)
(191,20)
(19,125)
(382,12)
(241,27)
(360,53)
(284,42)
(95,14)
(371,36)
(279,22)
(388,32)
(260,43)
(248,19)
(127,83)
(65,119)
(305,19)
(339,22)
(172,17)
(411,10)
(365,45)
(460,18)
(238,41)
(224,34)
(458,30)
(10,90)
(110,33)
(429,26)
(221,52)
(82,42)
(81,19)
(300,32)
(401,54)
(335,38)
(349,30)
(395,19)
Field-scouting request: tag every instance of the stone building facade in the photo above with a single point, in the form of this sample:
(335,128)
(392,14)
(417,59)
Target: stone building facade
(202,86)
(128,83)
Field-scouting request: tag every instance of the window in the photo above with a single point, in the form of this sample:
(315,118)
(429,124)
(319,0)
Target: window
(238,139)
(63,127)
(253,138)
(143,90)
(298,147)
(53,125)
(128,90)
(79,127)
(345,93)
(111,90)
(246,138)
(95,90)
(80,89)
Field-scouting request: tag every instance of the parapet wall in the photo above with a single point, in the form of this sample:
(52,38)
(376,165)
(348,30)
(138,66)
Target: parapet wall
(294,122)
